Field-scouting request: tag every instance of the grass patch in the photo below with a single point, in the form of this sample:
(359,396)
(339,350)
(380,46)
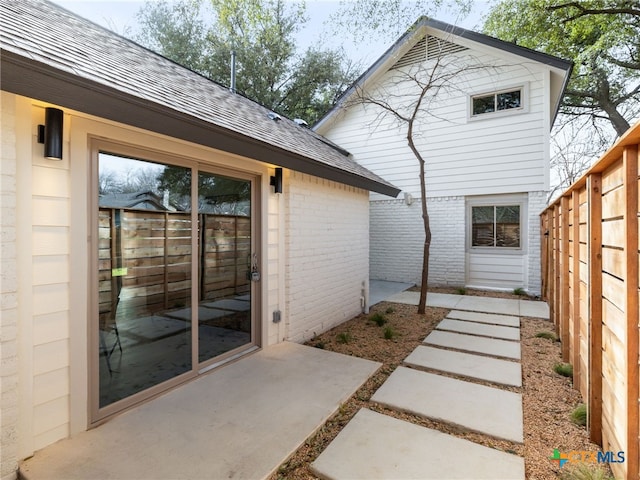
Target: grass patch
(390,333)
(564,369)
(378,318)
(582,471)
(579,415)
(547,335)
(390,310)
(344,337)
(519,291)
(461,291)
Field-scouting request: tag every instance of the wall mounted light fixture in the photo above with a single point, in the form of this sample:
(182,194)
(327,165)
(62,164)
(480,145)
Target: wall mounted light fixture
(276,181)
(408,198)
(51,133)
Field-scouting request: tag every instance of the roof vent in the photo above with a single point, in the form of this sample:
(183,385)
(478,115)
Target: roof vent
(437,47)
(301,122)
(428,48)
(274,116)
(417,54)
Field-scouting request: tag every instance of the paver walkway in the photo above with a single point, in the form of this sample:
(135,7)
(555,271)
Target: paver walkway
(474,407)
(489,369)
(479,340)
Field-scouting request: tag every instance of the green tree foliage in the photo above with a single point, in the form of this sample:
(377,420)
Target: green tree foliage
(389,18)
(201,34)
(602,38)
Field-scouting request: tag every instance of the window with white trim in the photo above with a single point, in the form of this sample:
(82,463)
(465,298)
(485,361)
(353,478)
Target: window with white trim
(505,100)
(495,226)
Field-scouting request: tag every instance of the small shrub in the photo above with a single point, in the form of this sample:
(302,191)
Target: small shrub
(519,291)
(547,335)
(579,415)
(320,345)
(389,333)
(390,310)
(344,337)
(583,471)
(564,369)
(461,291)
(378,318)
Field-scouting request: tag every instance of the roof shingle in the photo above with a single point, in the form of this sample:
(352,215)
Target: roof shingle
(39,36)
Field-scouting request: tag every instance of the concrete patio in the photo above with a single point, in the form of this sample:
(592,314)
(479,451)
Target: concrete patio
(244,420)
(241,421)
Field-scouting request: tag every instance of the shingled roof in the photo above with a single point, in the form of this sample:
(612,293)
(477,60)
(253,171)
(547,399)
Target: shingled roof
(50,54)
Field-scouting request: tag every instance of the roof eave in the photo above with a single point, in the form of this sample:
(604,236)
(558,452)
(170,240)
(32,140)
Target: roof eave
(29,78)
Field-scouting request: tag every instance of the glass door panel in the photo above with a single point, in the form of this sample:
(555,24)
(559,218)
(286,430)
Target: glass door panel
(224,310)
(144,275)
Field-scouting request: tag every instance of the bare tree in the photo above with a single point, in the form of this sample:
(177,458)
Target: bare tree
(407,99)
(574,148)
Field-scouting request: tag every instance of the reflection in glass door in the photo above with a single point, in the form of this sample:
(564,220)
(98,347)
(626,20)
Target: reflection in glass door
(224,313)
(144,256)
(159,251)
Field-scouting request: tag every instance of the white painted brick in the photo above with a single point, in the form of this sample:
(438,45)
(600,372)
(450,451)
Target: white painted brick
(397,240)
(8,291)
(327,247)
(397,237)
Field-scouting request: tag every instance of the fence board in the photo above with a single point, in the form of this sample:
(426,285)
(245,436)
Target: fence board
(594,401)
(632,393)
(604,283)
(613,176)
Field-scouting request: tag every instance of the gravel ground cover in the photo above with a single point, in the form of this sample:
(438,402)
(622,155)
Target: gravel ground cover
(390,332)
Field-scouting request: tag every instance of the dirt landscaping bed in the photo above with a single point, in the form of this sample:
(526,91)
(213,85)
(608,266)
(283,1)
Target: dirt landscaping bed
(548,398)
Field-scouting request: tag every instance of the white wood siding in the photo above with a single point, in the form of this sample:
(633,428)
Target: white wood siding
(499,153)
(500,271)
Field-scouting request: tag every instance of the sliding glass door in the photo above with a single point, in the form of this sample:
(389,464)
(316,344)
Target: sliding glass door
(164,245)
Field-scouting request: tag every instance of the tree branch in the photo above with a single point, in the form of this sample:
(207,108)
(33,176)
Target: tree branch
(584,11)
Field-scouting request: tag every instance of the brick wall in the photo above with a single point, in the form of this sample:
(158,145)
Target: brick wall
(397,237)
(537,203)
(8,294)
(397,240)
(327,254)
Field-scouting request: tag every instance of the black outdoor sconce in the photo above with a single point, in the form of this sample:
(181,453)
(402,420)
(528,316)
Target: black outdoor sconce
(51,133)
(276,181)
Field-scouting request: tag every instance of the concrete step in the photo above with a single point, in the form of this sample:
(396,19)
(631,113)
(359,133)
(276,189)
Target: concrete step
(378,447)
(471,343)
(475,407)
(494,370)
(490,318)
(473,328)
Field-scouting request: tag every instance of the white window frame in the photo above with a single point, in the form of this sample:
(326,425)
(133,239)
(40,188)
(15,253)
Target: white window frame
(523,108)
(498,201)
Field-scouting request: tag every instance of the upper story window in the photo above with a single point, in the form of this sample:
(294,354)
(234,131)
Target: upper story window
(504,100)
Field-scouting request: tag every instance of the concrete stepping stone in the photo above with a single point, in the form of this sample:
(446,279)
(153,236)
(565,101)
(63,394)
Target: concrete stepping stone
(529,308)
(489,304)
(494,370)
(487,410)
(471,343)
(379,447)
(490,318)
(472,328)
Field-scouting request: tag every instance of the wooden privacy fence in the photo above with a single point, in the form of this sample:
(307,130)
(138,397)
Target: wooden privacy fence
(145,260)
(590,280)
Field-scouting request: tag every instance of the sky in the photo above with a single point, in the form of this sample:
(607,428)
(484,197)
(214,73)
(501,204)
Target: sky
(120,15)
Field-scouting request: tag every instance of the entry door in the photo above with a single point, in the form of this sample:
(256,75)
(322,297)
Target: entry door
(171,254)
(227,263)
